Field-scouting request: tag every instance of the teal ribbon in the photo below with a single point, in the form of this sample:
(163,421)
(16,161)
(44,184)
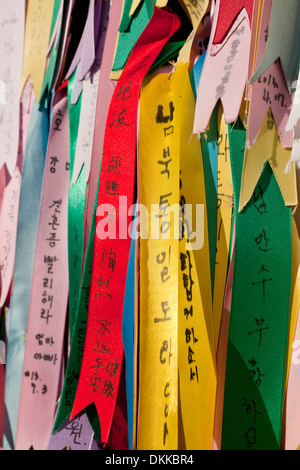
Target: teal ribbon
(128,327)
(259,317)
(31,187)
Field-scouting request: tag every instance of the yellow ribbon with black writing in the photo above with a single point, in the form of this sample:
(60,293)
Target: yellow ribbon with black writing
(159,191)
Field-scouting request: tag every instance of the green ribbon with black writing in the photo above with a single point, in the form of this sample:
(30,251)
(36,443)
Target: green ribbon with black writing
(77,344)
(259,316)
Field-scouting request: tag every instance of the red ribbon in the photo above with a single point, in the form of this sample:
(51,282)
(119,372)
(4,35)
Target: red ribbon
(228,11)
(103,351)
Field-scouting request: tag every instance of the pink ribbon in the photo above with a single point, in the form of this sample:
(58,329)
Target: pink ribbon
(225,72)
(49,294)
(269,92)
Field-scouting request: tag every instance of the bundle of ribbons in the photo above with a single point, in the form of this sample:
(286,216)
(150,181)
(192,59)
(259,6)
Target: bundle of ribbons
(149,224)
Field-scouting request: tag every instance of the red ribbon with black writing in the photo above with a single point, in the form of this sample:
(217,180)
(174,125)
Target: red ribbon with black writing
(103,349)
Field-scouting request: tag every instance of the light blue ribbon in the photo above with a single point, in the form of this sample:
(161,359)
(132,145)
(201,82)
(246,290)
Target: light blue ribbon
(32,179)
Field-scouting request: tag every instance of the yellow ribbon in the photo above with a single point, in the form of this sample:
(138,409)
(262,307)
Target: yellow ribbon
(159,190)
(197,374)
(295,296)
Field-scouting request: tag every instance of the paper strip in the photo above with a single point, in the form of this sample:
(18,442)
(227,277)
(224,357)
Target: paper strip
(232,59)
(8,232)
(83,155)
(283,40)
(12,19)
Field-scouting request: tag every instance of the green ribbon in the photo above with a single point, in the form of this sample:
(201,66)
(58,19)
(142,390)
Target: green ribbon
(169,52)
(259,317)
(125,19)
(77,197)
(77,344)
